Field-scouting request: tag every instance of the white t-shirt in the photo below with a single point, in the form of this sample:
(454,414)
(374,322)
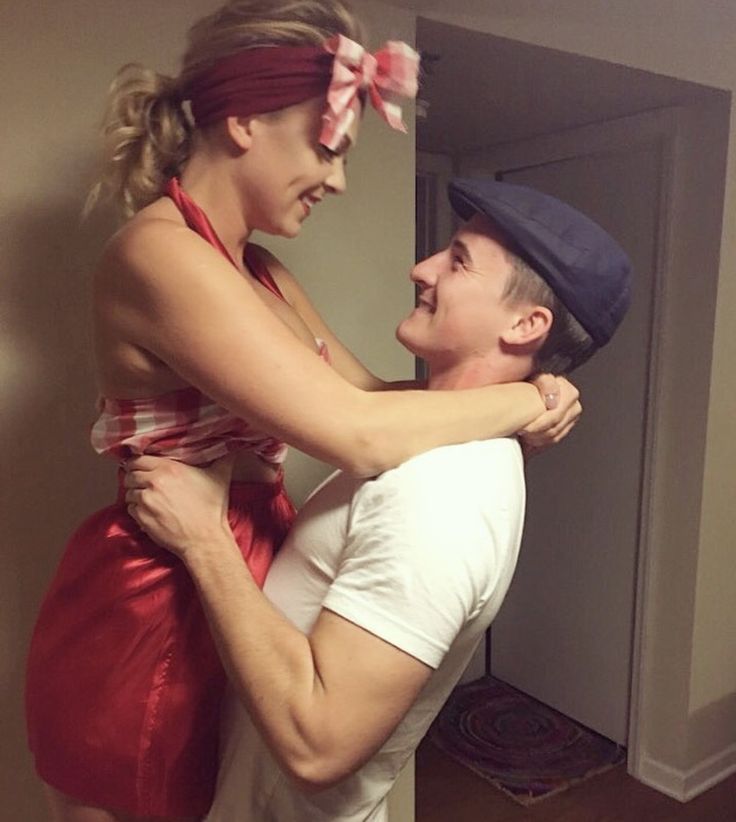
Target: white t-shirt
(420,556)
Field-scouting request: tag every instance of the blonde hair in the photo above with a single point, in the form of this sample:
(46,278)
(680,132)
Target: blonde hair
(147,131)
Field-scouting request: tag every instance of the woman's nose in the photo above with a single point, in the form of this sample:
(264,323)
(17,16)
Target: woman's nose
(336,181)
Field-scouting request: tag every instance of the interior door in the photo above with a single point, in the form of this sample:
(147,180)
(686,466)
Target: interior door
(564,634)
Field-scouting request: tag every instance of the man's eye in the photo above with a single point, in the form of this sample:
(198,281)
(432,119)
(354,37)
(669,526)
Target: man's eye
(457,262)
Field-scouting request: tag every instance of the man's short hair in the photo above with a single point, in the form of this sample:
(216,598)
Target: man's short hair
(568,344)
(585,268)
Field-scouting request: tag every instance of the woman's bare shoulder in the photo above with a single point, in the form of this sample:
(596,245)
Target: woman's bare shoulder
(156,254)
(149,233)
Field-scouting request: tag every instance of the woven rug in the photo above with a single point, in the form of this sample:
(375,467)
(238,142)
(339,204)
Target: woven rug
(521,746)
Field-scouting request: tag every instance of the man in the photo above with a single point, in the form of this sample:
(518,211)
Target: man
(385,586)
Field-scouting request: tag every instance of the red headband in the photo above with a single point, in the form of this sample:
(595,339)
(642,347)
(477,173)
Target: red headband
(259,80)
(263,79)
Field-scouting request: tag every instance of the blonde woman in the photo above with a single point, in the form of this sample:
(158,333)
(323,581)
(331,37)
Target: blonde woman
(207,346)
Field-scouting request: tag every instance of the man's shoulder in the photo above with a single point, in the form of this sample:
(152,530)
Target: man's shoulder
(469,475)
(449,470)
(452,463)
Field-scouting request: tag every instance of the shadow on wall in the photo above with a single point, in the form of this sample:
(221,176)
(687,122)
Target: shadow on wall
(50,478)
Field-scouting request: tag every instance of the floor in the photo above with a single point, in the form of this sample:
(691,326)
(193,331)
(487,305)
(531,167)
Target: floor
(448,792)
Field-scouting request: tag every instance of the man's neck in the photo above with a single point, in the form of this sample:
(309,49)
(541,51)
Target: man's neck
(474,373)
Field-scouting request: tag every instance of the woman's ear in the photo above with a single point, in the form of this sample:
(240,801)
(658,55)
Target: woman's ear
(530,325)
(240,131)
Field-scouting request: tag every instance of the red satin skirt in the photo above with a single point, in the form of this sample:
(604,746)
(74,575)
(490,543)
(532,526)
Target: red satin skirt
(124,683)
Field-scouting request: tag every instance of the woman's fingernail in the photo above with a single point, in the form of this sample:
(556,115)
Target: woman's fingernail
(551,400)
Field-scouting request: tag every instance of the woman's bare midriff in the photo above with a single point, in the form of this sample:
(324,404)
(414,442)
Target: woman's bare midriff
(249,468)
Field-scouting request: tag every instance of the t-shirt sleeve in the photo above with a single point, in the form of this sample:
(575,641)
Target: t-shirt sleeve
(420,558)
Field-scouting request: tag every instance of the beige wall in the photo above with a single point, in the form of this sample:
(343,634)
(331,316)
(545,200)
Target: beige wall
(690,40)
(56,61)
(356,257)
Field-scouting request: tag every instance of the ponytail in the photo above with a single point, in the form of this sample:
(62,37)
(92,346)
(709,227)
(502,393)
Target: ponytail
(147,137)
(148,134)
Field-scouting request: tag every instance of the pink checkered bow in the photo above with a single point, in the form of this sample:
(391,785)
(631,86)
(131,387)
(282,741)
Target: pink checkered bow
(387,75)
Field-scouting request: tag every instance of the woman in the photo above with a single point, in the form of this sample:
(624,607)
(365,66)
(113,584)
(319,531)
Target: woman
(207,346)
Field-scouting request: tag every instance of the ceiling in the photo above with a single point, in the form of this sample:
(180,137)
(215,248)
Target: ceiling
(486,90)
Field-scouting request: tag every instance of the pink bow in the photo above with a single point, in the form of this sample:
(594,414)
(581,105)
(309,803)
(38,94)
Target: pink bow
(389,74)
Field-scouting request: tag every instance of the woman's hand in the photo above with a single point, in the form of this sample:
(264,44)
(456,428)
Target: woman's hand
(562,400)
(180,507)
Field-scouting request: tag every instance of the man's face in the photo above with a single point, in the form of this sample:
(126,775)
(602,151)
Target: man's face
(460,313)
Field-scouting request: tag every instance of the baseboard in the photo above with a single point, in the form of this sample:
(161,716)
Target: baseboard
(686,785)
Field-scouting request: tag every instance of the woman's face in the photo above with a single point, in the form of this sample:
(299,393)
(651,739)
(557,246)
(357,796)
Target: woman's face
(286,170)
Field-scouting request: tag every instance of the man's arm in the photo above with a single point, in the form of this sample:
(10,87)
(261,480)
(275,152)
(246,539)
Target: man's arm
(324,702)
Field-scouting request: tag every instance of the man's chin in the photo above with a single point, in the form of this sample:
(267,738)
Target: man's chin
(403,335)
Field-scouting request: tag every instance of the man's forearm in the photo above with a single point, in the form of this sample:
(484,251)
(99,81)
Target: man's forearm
(269,661)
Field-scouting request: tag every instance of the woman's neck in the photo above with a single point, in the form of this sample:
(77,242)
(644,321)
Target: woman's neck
(210,184)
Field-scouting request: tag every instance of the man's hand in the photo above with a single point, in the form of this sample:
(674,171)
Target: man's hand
(562,399)
(180,507)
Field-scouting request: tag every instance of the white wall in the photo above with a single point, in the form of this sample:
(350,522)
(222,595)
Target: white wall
(56,61)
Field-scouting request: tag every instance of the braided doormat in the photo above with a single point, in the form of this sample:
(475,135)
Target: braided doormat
(521,746)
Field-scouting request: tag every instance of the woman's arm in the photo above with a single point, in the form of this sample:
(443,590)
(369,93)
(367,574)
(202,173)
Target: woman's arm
(534,439)
(341,358)
(167,291)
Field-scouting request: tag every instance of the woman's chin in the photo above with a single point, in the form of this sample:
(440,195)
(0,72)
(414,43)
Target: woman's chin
(289,231)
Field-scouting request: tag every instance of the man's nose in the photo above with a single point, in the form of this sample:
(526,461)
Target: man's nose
(425,272)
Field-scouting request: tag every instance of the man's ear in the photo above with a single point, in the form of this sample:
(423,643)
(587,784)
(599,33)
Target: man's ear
(240,131)
(530,326)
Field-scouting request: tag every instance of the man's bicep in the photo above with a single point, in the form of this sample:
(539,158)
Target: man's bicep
(369,685)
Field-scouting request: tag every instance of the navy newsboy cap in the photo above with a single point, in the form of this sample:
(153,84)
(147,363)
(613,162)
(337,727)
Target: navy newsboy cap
(584,266)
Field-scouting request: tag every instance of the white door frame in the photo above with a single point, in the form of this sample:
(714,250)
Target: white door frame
(685,197)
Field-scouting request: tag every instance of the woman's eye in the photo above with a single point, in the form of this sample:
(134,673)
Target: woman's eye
(328,153)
